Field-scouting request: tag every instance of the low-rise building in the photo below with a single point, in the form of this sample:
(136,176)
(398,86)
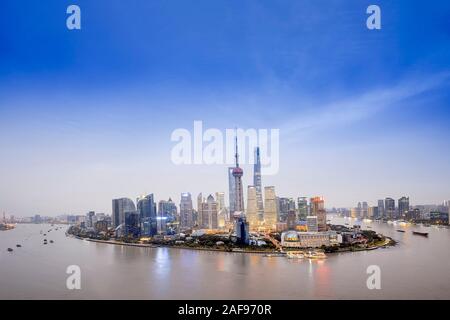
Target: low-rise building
(295,239)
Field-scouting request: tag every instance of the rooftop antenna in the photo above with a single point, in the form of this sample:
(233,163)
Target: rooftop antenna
(236,147)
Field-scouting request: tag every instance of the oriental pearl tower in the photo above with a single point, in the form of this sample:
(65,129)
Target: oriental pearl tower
(237,174)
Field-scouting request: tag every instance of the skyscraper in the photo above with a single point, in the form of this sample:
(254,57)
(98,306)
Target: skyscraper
(381,209)
(258,185)
(291,220)
(318,210)
(403,207)
(239,192)
(211,209)
(202,214)
(284,206)
(373,213)
(389,207)
(119,207)
(241,228)
(302,207)
(252,207)
(186,219)
(270,207)
(132,224)
(167,211)
(220,198)
(146,207)
(365,210)
(208,212)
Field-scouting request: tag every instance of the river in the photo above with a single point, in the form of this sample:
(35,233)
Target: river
(416,268)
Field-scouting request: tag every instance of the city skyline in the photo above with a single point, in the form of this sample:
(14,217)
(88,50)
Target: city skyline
(86,118)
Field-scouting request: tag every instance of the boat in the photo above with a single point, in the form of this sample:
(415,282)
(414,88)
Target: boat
(18,245)
(10,249)
(315,255)
(424,234)
(398,230)
(295,255)
(51,241)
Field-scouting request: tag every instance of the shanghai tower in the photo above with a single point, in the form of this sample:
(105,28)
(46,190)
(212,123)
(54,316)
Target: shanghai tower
(257,184)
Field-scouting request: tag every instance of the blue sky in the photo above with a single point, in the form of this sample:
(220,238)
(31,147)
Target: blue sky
(86,115)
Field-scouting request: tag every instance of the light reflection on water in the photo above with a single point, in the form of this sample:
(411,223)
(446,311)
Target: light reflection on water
(417,267)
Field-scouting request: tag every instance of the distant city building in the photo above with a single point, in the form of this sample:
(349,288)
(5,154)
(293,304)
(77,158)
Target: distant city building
(202,216)
(132,224)
(252,207)
(270,207)
(146,207)
(291,219)
(186,211)
(312,224)
(242,230)
(364,210)
(389,207)
(441,218)
(37,219)
(295,239)
(381,213)
(119,207)
(168,209)
(222,217)
(284,206)
(258,185)
(90,219)
(220,199)
(208,213)
(302,207)
(101,226)
(355,212)
(281,226)
(373,213)
(413,214)
(403,207)
(318,210)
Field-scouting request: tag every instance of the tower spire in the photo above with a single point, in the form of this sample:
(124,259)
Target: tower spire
(236,148)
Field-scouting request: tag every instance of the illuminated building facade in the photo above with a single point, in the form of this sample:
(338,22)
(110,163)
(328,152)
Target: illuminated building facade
(186,211)
(318,210)
(270,207)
